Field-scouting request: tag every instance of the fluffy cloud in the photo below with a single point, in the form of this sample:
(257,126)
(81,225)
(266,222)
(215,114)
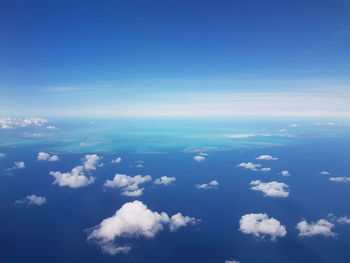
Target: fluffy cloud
(254,167)
(90,161)
(165,180)
(133,220)
(321,227)
(74,179)
(274,189)
(2,155)
(266,157)
(128,184)
(260,225)
(9,123)
(32,200)
(117,160)
(340,179)
(211,184)
(285,173)
(325,173)
(43,156)
(199,158)
(19,165)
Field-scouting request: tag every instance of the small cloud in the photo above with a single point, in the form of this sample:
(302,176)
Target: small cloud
(211,184)
(266,157)
(325,173)
(74,179)
(199,158)
(2,155)
(203,154)
(43,156)
(260,225)
(128,184)
(117,160)
(19,165)
(32,200)
(294,125)
(321,227)
(273,189)
(165,180)
(283,130)
(231,261)
(254,167)
(90,161)
(340,220)
(242,136)
(133,220)
(340,179)
(51,127)
(285,173)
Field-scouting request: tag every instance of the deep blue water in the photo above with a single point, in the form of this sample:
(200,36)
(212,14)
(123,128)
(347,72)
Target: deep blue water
(56,231)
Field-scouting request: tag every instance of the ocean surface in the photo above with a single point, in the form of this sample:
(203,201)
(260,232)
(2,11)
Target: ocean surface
(57,231)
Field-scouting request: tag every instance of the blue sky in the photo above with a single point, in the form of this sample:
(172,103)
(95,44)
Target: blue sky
(175,58)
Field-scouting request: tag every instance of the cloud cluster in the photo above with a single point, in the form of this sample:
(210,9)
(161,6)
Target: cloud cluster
(76,178)
(130,185)
(32,200)
(211,184)
(254,167)
(321,227)
(340,179)
(274,189)
(260,225)
(266,157)
(43,156)
(165,180)
(9,123)
(133,220)
(199,158)
(117,160)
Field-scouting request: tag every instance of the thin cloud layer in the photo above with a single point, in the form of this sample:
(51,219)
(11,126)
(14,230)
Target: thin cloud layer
(340,179)
(133,220)
(260,225)
(325,173)
(266,157)
(273,189)
(130,185)
(32,200)
(321,227)
(43,156)
(10,123)
(165,180)
(2,155)
(211,184)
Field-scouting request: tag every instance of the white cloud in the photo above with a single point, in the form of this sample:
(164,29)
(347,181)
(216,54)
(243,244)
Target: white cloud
(203,154)
(117,160)
(283,130)
(231,261)
(260,225)
(211,184)
(266,157)
(325,173)
(19,165)
(9,123)
(43,156)
(321,227)
(90,161)
(294,125)
(274,189)
(51,127)
(2,155)
(74,179)
(285,173)
(165,180)
(32,200)
(199,158)
(254,167)
(133,220)
(340,220)
(128,184)
(340,179)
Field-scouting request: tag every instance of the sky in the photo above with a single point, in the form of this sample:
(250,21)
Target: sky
(175,58)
